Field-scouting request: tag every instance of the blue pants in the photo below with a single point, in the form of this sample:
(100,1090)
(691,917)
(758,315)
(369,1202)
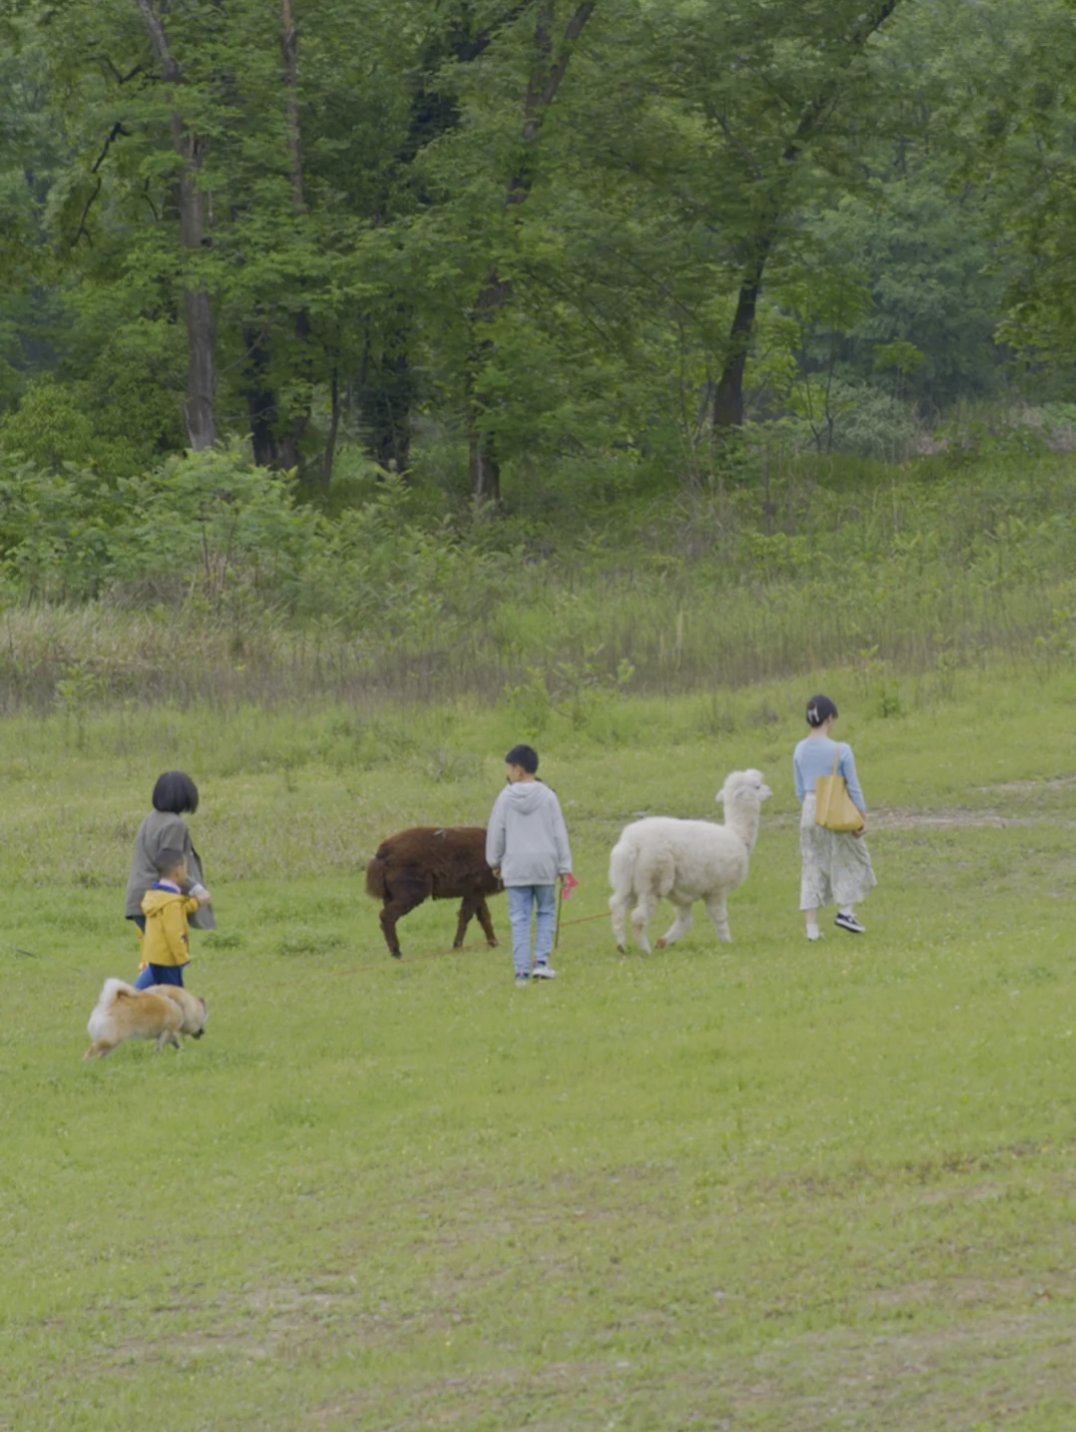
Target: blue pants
(522,901)
(159,974)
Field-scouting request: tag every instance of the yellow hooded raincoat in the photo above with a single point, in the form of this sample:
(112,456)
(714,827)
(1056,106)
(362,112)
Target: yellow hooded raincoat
(166,941)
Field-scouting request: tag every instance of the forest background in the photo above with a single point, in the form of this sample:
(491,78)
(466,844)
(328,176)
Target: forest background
(385,383)
(532,349)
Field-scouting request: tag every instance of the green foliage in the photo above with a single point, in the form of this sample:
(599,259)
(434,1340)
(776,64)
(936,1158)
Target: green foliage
(49,428)
(207,576)
(55,532)
(213,524)
(118,418)
(1028,131)
(197,528)
(907,198)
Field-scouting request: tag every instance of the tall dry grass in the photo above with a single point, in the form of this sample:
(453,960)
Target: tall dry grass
(948,563)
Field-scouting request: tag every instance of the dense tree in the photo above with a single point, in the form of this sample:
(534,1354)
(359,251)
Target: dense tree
(1026,156)
(548,60)
(190,198)
(543,227)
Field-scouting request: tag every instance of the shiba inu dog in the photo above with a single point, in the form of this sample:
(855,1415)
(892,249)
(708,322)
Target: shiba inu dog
(162,1012)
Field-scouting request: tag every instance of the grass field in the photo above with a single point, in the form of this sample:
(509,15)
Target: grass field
(767,1185)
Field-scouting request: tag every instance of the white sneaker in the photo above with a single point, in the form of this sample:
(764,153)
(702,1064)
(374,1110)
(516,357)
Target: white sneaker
(543,972)
(814,934)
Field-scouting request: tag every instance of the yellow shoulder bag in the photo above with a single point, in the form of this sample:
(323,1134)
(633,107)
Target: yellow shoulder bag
(834,808)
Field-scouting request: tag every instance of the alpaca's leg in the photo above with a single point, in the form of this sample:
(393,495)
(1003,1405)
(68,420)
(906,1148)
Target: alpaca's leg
(679,927)
(718,910)
(618,911)
(396,905)
(640,920)
(468,906)
(482,911)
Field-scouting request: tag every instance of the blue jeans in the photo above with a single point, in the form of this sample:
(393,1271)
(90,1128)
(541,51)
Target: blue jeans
(159,974)
(522,900)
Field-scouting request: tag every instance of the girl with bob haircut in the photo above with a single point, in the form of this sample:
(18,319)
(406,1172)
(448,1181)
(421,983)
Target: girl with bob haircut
(164,829)
(836,866)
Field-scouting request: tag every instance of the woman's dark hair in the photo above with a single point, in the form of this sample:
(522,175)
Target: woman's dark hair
(819,710)
(525,756)
(175,792)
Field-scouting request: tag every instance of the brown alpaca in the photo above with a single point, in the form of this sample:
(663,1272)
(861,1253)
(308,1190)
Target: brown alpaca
(438,863)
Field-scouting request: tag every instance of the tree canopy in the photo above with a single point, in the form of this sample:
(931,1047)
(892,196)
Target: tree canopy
(532,227)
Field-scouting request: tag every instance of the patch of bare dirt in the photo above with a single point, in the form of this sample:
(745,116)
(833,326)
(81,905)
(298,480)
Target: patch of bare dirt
(1051,783)
(946,818)
(961,818)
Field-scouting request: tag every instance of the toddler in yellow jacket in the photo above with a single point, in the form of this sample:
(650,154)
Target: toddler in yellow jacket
(166,942)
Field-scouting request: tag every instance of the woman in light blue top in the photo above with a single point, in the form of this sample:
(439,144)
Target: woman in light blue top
(836,866)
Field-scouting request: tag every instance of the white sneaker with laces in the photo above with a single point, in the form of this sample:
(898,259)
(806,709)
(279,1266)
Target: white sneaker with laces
(543,972)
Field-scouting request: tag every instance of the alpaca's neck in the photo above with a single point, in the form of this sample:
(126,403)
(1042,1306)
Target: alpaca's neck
(744,821)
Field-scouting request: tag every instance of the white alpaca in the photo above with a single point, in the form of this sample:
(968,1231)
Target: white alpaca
(685,860)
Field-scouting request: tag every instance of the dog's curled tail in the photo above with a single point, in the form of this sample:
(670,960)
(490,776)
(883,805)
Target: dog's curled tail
(114,989)
(111,991)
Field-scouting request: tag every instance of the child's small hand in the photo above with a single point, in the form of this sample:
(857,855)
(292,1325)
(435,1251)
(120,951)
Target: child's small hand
(201,894)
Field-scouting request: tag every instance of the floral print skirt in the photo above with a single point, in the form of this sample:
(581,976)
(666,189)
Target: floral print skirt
(837,868)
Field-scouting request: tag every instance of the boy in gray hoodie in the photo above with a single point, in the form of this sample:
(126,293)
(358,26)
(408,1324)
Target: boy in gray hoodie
(527,846)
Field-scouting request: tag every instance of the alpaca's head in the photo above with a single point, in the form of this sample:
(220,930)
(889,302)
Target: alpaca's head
(742,796)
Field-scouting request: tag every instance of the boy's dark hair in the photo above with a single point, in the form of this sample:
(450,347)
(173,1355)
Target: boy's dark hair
(175,793)
(169,860)
(525,756)
(819,710)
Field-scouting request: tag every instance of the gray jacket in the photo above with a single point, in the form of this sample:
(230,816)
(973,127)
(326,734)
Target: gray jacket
(161,830)
(526,835)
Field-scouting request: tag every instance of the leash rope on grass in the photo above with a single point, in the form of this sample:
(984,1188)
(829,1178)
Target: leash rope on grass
(565,924)
(583,919)
(463,949)
(580,920)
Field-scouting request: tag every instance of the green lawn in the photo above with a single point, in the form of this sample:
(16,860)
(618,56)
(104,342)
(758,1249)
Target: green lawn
(767,1185)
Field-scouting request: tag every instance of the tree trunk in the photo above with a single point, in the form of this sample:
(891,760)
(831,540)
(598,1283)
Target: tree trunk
(386,393)
(728,408)
(289,45)
(546,75)
(728,405)
(389,388)
(276,435)
(484,468)
(201,412)
(262,407)
(197,306)
(334,427)
(289,442)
